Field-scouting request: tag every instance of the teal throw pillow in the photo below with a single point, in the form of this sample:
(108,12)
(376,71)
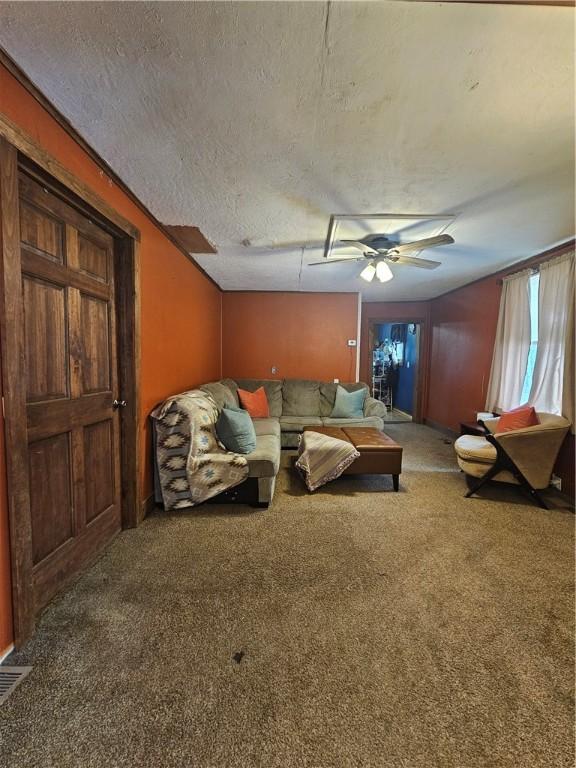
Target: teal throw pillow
(235,430)
(349,405)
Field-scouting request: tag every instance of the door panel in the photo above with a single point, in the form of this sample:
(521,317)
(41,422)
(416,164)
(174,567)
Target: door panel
(95,344)
(71,373)
(41,231)
(98,455)
(45,339)
(50,495)
(92,258)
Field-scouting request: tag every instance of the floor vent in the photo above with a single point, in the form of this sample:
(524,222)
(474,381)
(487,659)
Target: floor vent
(10,679)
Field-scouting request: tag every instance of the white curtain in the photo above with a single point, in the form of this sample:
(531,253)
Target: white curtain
(553,380)
(512,344)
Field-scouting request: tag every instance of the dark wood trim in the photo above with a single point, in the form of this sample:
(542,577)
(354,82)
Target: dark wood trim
(66,125)
(14,396)
(35,183)
(15,136)
(127,271)
(148,506)
(403,301)
(280,290)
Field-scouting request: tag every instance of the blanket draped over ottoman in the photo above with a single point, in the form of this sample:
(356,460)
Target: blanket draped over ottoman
(194,465)
(322,458)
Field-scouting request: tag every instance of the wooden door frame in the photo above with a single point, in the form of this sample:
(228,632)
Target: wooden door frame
(422,377)
(16,151)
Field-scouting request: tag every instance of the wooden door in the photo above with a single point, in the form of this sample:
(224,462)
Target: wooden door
(71,382)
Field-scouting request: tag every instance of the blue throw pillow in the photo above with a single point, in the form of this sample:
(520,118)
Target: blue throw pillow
(349,405)
(235,430)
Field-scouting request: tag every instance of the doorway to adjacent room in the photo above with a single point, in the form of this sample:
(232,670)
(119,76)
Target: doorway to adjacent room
(395,368)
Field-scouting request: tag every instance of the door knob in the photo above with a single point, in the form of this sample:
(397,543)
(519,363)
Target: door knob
(119,404)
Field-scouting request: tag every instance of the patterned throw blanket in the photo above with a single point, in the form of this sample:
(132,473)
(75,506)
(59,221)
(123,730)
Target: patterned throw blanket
(192,464)
(322,458)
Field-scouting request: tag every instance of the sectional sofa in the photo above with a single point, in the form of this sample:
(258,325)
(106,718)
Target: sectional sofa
(293,404)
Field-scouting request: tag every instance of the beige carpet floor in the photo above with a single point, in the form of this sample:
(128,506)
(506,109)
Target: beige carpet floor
(355,627)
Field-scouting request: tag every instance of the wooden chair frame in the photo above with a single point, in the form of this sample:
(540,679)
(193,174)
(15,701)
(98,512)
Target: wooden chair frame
(504,463)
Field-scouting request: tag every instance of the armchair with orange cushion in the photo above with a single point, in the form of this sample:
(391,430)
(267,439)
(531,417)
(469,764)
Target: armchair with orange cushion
(522,455)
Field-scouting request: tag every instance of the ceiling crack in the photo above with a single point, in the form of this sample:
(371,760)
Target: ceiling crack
(301,265)
(325,45)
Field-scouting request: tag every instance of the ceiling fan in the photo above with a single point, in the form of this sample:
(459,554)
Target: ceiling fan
(381,251)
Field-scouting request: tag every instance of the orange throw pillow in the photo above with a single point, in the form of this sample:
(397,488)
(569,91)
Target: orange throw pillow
(256,403)
(523,416)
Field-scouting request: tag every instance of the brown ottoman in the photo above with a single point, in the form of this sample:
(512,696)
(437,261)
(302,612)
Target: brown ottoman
(379,454)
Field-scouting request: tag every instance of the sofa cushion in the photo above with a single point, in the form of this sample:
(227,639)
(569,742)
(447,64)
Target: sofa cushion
(328,394)
(373,407)
(290,439)
(223,394)
(266,426)
(297,423)
(273,388)
(236,431)
(349,405)
(264,461)
(256,403)
(300,397)
(475,448)
(233,387)
(366,421)
(479,469)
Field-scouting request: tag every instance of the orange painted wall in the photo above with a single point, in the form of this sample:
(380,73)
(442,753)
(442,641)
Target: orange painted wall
(304,334)
(181,308)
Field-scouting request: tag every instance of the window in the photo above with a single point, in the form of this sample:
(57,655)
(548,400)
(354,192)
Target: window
(533,346)
(533,286)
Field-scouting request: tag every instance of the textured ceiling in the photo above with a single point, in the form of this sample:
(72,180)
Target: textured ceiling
(256,121)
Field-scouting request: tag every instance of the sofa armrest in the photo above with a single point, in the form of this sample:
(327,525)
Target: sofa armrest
(172,447)
(373,407)
(534,450)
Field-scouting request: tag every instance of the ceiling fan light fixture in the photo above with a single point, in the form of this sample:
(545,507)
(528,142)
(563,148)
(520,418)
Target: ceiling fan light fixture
(368,272)
(383,272)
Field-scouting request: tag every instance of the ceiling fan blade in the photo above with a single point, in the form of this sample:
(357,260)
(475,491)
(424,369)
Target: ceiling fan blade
(411,261)
(427,242)
(333,261)
(359,244)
